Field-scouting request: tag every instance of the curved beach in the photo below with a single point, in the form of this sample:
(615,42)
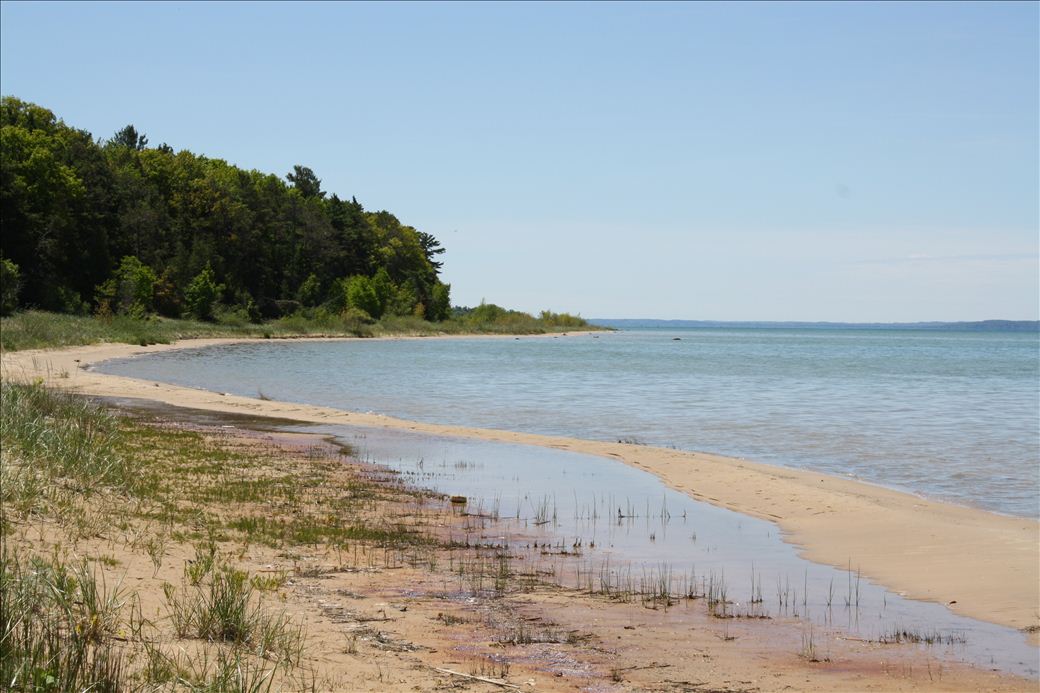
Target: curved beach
(983,565)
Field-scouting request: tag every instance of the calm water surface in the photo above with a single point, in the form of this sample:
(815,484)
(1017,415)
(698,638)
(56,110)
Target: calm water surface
(628,528)
(946,414)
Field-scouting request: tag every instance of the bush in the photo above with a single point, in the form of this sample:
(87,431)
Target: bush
(10,282)
(232,317)
(356,321)
(129,291)
(167,298)
(309,293)
(385,291)
(552,319)
(62,299)
(245,310)
(487,313)
(361,295)
(201,294)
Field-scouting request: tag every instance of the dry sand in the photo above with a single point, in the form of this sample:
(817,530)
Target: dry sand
(981,564)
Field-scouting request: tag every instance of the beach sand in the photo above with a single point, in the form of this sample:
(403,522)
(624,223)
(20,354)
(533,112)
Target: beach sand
(981,564)
(380,617)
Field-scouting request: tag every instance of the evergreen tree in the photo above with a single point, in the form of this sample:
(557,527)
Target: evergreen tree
(130,138)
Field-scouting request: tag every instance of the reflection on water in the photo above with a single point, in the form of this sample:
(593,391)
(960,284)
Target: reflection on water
(593,522)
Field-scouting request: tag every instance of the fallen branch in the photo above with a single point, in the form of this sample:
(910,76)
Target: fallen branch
(496,682)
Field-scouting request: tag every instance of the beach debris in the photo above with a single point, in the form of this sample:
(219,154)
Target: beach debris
(458,500)
(497,682)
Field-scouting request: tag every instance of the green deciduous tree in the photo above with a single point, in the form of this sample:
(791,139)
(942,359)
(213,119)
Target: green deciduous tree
(201,295)
(384,289)
(440,302)
(129,291)
(309,293)
(361,295)
(72,207)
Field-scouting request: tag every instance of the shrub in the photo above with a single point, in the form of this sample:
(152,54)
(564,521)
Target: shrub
(309,293)
(129,291)
(167,298)
(10,282)
(201,294)
(385,291)
(361,294)
(487,313)
(552,319)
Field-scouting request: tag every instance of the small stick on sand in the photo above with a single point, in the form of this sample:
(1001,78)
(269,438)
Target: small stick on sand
(477,678)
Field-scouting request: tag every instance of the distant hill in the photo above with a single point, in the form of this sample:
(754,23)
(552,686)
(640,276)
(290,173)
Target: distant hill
(978,326)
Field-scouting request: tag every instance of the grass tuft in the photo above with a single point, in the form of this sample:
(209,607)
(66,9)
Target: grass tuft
(56,626)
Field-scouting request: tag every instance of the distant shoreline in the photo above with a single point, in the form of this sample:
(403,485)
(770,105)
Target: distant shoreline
(926,549)
(969,326)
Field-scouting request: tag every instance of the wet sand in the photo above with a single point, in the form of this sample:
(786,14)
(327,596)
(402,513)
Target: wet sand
(393,619)
(981,564)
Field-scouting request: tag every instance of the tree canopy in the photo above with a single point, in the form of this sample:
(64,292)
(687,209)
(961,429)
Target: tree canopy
(116,225)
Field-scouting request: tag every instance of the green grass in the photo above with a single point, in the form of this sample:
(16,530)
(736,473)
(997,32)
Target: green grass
(63,626)
(222,606)
(58,447)
(62,435)
(59,452)
(306,531)
(226,671)
(56,627)
(38,329)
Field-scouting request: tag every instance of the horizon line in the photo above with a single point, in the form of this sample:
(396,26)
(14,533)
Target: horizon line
(1028,321)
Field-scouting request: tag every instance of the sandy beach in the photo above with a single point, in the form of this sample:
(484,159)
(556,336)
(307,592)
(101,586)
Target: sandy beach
(982,565)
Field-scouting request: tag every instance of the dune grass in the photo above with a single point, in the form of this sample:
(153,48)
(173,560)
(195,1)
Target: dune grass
(67,624)
(56,626)
(62,437)
(34,329)
(38,330)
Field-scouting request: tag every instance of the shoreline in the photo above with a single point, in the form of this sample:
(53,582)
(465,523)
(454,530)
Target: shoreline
(352,607)
(978,563)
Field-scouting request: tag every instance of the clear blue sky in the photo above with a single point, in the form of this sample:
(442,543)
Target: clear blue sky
(706,161)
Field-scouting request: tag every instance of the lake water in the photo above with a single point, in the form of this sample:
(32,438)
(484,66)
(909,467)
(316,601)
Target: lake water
(590,521)
(944,414)
(950,415)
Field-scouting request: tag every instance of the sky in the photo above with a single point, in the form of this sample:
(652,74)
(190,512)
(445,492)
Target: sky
(846,162)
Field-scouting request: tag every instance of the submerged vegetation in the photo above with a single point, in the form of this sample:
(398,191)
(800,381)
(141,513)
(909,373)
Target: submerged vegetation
(124,231)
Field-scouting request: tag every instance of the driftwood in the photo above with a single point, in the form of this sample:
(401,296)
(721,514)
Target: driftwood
(496,682)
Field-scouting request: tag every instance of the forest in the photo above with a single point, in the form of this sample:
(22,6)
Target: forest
(118,227)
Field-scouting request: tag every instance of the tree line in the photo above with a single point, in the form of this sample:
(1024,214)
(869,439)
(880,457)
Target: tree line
(120,227)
